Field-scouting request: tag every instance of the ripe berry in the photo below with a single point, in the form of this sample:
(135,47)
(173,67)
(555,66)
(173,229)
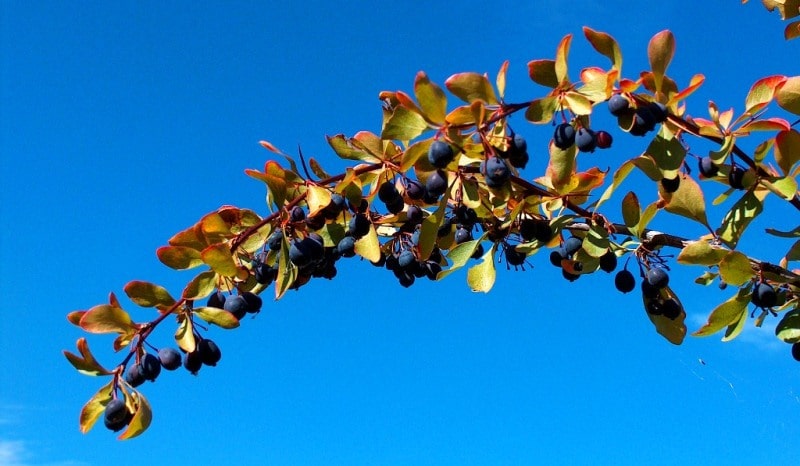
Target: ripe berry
(347,246)
(335,207)
(736,177)
(432,269)
(414,190)
(586,140)
(170,358)
(496,171)
(396,205)
(358,226)
(406,259)
(671,309)
(796,351)
(531,229)
(569,276)
(413,215)
(134,376)
(608,261)
(436,184)
(264,273)
(388,192)
(275,240)
(150,366)
(603,139)
(650,291)
(518,152)
(209,352)
(557,255)
(572,245)
(216,300)
(297,214)
(116,415)
(462,235)
(252,301)
(440,154)
(564,136)
(514,257)
(659,111)
(618,105)
(192,361)
(707,167)
(624,281)
(643,122)
(671,185)
(764,295)
(237,306)
(657,277)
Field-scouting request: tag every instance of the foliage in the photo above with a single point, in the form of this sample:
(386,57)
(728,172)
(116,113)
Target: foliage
(443,186)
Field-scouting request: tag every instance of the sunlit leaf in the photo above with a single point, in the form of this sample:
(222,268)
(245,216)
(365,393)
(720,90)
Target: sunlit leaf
(344,149)
(788,95)
(218,257)
(727,313)
(674,330)
(317,199)
(738,218)
(788,329)
(785,187)
(141,417)
(95,407)
(631,210)
(596,242)
(430,229)
(660,52)
(792,30)
(606,45)
(561,166)
(687,201)
(500,82)
(471,87)
(562,53)
(735,268)
(541,111)
(368,246)
(85,363)
(460,255)
(619,175)
(200,286)
(179,257)
(404,125)
(481,277)
(431,98)
(184,335)
(105,318)
(736,328)
(701,253)
(578,103)
(216,316)
(543,72)
(287,272)
(147,294)
(414,152)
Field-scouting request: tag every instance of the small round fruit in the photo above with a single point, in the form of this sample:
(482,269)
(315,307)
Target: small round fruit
(358,226)
(252,301)
(796,351)
(414,190)
(406,259)
(170,358)
(618,105)
(707,167)
(216,300)
(586,140)
(116,415)
(764,295)
(564,136)
(604,139)
(572,245)
(440,154)
(237,306)
(569,276)
(209,352)
(462,235)
(388,192)
(134,376)
(150,366)
(496,171)
(624,281)
(436,184)
(192,362)
(659,111)
(608,261)
(657,277)
(671,309)
(736,177)
(557,255)
(514,257)
(297,214)
(671,185)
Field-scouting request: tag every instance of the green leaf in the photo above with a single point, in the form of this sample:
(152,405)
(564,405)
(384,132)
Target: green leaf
(216,316)
(368,246)
(95,407)
(784,234)
(201,286)
(674,330)
(541,111)
(726,314)
(735,329)
(404,125)
(735,269)
(543,72)
(481,277)
(738,218)
(660,51)
(287,272)
(460,255)
(667,152)
(631,210)
(701,253)
(787,150)
(430,228)
(794,252)
(596,241)
(431,98)
(578,103)
(184,335)
(218,257)
(179,257)
(414,152)
(788,95)
(606,45)
(147,294)
(471,87)
(619,175)
(85,363)
(105,318)
(561,165)
(562,53)
(762,92)
(141,417)
(687,201)
(345,149)
(785,187)
(788,329)
(647,215)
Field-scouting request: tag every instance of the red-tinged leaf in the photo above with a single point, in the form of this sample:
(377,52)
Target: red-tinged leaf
(123,340)
(189,238)
(461,116)
(597,84)
(471,87)
(147,294)
(179,257)
(766,124)
(317,169)
(787,150)
(500,82)
(788,95)
(696,81)
(724,315)
(268,145)
(404,125)
(344,149)
(792,30)
(105,318)
(619,176)
(141,417)
(219,258)
(762,92)
(201,286)
(561,166)
(589,180)
(562,53)
(85,363)
(543,72)
(631,210)
(605,45)
(541,111)
(687,201)
(112,299)
(74,317)
(95,407)
(406,101)
(184,335)
(787,8)
(431,98)
(660,51)
(217,317)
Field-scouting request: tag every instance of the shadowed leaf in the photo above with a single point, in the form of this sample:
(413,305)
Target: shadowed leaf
(788,95)
(147,294)
(218,257)
(216,316)
(471,87)
(201,286)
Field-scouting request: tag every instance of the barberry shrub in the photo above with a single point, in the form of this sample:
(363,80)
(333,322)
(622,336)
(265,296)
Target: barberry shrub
(443,186)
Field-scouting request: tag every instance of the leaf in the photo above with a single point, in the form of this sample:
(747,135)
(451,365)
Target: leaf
(687,201)
(738,218)
(414,153)
(344,149)
(794,252)
(431,98)
(673,330)
(85,363)
(218,257)
(726,314)
(660,51)
(201,286)
(596,241)
(735,329)
(541,111)
(430,228)
(141,417)
(578,103)
(788,329)
(784,234)
(667,152)
(216,316)
(179,257)
(562,52)
(368,246)
(317,199)
(561,165)
(788,95)
(787,150)
(481,277)
(701,253)
(785,186)
(95,407)
(471,87)
(619,175)
(631,210)
(74,317)
(500,82)
(543,72)
(460,255)
(105,318)
(792,30)
(647,215)
(287,272)
(764,124)
(735,269)
(147,294)
(762,92)
(184,335)
(605,45)
(404,125)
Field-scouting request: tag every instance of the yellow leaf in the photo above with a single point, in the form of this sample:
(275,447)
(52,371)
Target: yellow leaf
(105,318)
(147,294)
(481,277)
(141,417)
(368,246)
(735,269)
(219,258)
(184,336)
(660,52)
(218,317)
(94,408)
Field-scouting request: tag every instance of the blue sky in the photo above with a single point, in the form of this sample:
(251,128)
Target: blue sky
(124,123)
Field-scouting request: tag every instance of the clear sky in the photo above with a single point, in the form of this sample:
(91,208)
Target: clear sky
(124,122)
